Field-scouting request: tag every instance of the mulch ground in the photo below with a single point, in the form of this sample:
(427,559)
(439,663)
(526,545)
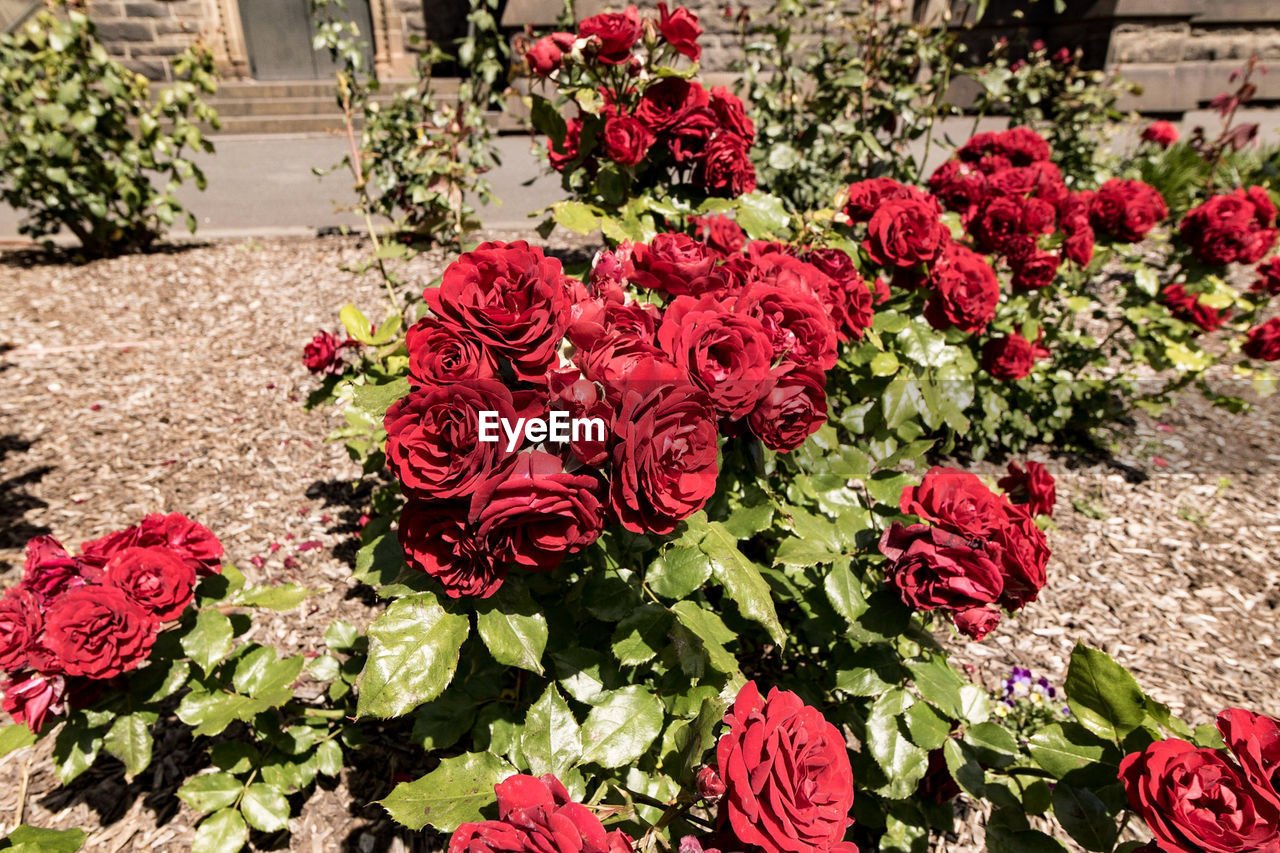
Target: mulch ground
(172,382)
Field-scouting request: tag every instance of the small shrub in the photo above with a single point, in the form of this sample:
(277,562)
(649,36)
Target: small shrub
(83,146)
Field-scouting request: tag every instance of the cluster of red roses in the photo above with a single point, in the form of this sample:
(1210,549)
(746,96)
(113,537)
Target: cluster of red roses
(1198,800)
(666,124)
(78,620)
(743,344)
(784,783)
(977,550)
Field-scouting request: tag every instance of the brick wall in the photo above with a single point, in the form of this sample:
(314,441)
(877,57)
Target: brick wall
(146,34)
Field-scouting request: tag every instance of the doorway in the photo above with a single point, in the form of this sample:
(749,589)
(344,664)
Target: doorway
(279,34)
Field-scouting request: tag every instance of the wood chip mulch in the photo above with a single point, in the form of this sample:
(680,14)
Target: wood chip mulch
(172,382)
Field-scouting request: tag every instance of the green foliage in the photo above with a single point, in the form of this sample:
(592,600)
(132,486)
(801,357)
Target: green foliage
(84,143)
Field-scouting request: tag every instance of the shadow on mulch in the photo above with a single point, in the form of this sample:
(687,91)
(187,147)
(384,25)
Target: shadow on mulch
(28,258)
(390,757)
(15,501)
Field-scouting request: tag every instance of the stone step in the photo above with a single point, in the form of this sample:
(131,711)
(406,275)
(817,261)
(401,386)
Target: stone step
(258,125)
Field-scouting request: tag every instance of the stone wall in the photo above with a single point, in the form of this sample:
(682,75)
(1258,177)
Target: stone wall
(146,34)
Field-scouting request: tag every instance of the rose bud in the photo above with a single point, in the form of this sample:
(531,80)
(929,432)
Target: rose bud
(710,786)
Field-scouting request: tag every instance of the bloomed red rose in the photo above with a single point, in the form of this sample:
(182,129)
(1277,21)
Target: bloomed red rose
(536,815)
(956,500)
(509,297)
(933,569)
(1268,281)
(1032,485)
(729,355)
(437,539)
(798,325)
(681,30)
(1024,557)
(726,169)
(323,354)
(20,625)
(905,232)
(848,298)
(626,140)
(1234,228)
(731,115)
(864,198)
(440,353)
(49,570)
(613,34)
(1022,145)
(1162,133)
(965,291)
(1254,740)
(30,700)
(666,103)
(960,187)
(1011,357)
(560,156)
(1188,306)
(787,776)
(433,438)
(665,444)
(1127,210)
(194,543)
(792,411)
(675,263)
(533,513)
(155,578)
(722,235)
(1035,271)
(98,632)
(1263,342)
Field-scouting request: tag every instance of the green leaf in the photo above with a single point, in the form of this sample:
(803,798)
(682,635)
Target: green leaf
(234,756)
(1084,817)
(265,808)
(551,741)
(285,596)
(762,215)
(1063,748)
(575,216)
(1102,694)
(622,727)
(209,792)
(513,628)
(449,796)
(741,579)
(329,758)
(357,324)
(641,635)
(939,684)
(75,748)
(221,832)
(341,636)
(993,743)
(711,631)
(129,739)
(903,763)
(844,591)
(259,675)
(413,652)
(928,728)
(15,737)
(209,641)
(693,739)
(439,723)
(211,712)
(678,572)
(34,839)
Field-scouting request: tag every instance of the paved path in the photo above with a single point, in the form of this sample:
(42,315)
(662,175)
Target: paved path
(264,185)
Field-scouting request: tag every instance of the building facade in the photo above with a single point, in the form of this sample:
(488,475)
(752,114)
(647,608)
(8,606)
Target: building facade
(1180,51)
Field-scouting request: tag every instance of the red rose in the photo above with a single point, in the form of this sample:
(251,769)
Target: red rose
(535,815)
(626,140)
(581,398)
(613,34)
(511,298)
(680,29)
(688,140)
(976,622)
(1032,486)
(666,103)
(960,187)
(433,437)
(560,156)
(664,452)
(323,354)
(722,235)
(1187,306)
(726,169)
(20,624)
(905,232)
(1011,357)
(437,539)
(1162,133)
(546,53)
(956,500)
(1234,228)
(1255,742)
(965,291)
(1196,801)
(864,198)
(49,570)
(675,263)
(32,699)
(710,786)
(192,542)
(155,578)
(731,114)
(786,771)
(932,568)
(98,632)
(1268,280)
(1127,210)
(1264,341)
(798,325)
(1022,145)
(534,514)
(1036,271)
(728,355)
(1023,552)
(848,299)
(441,353)
(792,411)
(1078,247)
(980,145)
(999,222)
(613,359)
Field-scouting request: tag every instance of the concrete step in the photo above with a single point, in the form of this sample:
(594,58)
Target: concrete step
(257,125)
